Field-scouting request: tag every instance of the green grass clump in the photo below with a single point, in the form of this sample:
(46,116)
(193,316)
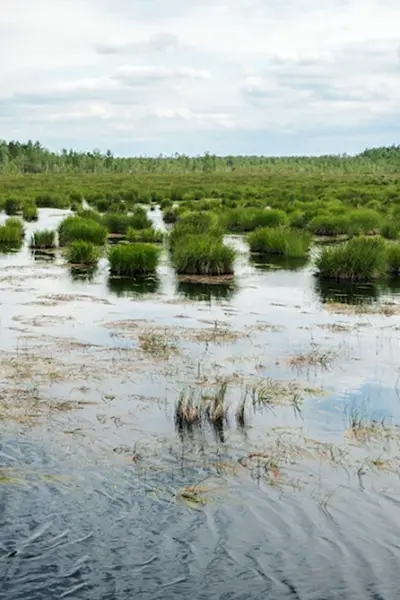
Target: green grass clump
(30,212)
(42,240)
(16,224)
(89,214)
(81,252)
(364,221)
(139,219)
(75,228)
(390,229)
(117,222)
(10,236)
(330,225)
(393,259)
(148,236)
(128,260)
(52,201)
(203,255)
(360,259)
(280,241)
(196,223)
(12,206)
(244,219)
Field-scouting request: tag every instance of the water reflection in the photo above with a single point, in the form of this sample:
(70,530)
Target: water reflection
(43,255)
(207,292)
(126,287)
(82,273)
(278,262)
(346,292)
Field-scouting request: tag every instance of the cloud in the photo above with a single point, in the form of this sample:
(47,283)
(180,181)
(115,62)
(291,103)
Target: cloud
(86,72)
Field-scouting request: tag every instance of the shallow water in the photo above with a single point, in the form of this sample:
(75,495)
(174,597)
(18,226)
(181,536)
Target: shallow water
(95,479)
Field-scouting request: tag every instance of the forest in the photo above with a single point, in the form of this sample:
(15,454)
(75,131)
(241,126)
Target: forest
(32,157)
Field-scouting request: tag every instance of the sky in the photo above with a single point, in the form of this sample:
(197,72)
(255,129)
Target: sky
(189,76)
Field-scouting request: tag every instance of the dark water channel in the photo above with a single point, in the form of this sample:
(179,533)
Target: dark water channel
(98,503)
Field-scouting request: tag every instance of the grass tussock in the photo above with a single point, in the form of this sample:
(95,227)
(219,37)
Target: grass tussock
(75,228)
(147,236)
(203,255)
(12,232)
(280,241)
(43,240)
(129,260)
(82,253)
(30,212)
(393,258)
(244,219)
(360,259)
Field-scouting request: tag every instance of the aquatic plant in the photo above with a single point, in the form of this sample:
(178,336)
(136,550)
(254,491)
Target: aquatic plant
(129,260)
(330,225)
(194,223)
(390,229)
(243,219)
(360,259)
(81,252)
(75,228)
(10,236)
(203,255)
(139,219)
(393,259)
(280,241)
(170,215)
(363,221)
(30,212)
(149,236)
(16,224)
(12,206)
(116,222)
(43,239)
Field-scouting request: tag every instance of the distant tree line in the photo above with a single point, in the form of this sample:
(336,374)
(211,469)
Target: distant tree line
(32,157)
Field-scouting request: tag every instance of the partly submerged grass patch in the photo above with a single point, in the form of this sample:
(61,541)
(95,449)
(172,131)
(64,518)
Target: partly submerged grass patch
(203,255)
(75,228)
(12,233)
(30,212)
(360,259)
(43,240)
(393,258)
(129,260)
(148,236)
(244,219)
(82,253)
(157,344)
(280,241)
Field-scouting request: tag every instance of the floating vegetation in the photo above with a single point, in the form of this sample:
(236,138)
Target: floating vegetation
(360,259)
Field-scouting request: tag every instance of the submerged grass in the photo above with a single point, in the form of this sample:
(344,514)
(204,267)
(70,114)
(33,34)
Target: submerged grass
(203,255)
(129,260)
(280,241)
(360,259)
(82,253)
(43,240)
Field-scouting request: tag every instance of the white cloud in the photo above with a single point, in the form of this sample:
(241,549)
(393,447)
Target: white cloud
(152,70)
